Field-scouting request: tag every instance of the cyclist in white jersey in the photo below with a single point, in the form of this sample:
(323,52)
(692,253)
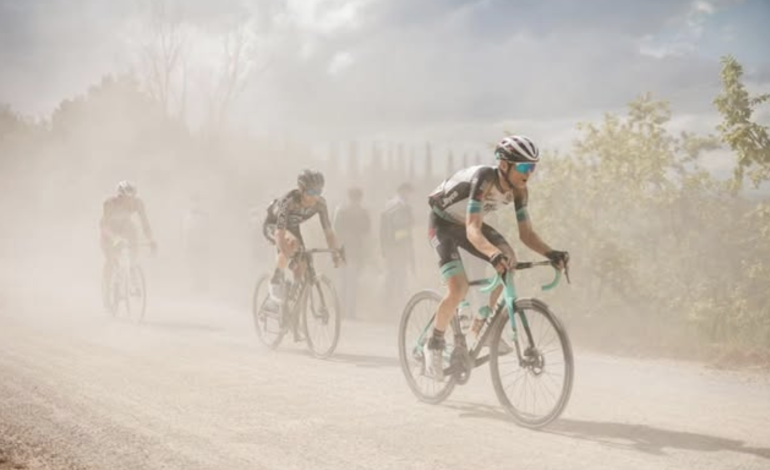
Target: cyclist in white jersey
(458,207)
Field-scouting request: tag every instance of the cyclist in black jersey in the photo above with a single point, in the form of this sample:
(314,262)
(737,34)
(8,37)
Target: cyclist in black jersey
(458,207)
(281,227)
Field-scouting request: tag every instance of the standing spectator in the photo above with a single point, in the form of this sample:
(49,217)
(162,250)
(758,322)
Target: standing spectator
(397,246)
(353,225)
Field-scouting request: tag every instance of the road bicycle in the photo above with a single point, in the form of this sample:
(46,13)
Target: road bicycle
(527,347)
(310,310)
(126,290)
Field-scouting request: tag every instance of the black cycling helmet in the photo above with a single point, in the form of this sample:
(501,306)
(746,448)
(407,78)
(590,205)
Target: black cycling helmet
(310,179)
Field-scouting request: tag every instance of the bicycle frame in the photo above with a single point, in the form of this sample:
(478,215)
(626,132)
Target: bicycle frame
(122,263)
(298,293)
(508,299)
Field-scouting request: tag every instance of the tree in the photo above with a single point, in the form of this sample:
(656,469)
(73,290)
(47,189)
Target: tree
(238,65)
(164,55)
(748,139)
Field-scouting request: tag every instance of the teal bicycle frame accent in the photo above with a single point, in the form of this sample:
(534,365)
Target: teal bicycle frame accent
(509,294)
(509,298)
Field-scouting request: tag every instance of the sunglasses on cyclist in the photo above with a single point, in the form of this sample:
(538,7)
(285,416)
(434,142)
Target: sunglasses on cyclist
(313,192)
(525,167)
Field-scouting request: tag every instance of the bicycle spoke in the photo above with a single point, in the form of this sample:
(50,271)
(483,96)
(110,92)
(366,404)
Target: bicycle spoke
(512,384)
(534,393)
(417,324)
(554,397)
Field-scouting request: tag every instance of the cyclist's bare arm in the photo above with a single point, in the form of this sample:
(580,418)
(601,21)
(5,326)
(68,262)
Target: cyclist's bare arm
(144,220)
(531,239)
(323,217)
(527,234)
(331,240)
(474,220)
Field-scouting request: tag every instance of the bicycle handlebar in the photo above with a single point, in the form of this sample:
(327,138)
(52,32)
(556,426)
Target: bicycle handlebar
(498,279)
(340,251)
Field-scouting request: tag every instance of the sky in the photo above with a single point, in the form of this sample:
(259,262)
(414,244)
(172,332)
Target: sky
(445,69)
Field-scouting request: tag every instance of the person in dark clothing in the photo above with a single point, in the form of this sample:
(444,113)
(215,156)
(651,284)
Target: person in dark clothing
(353,226)
(397,247)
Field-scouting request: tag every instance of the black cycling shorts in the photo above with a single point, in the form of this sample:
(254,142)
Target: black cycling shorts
(268,230)
(447,237)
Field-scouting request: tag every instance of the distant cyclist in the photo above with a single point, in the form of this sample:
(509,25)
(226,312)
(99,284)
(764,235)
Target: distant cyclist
(458,207)
(117,223)
(281,227)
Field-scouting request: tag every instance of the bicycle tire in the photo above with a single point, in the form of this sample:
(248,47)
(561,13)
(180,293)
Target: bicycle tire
(501,322)
(313,345)
(405,355)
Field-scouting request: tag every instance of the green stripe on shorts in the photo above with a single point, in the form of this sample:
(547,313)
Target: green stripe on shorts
(451,269)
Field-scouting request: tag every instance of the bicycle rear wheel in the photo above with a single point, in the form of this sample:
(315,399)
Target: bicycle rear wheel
(533,382)
(321,318)
(415,329)
(268,324)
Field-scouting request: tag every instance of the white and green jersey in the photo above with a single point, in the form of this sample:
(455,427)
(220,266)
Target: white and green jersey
(474,189)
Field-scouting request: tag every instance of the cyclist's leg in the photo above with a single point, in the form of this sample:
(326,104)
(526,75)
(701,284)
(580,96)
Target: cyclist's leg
(276,281)
(282,260)
(499,241)
(460,240)
(296,243)
(132,237)
(444,239)
(443,236)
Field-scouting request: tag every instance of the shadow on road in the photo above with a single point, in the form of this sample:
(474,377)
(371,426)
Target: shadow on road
(179,326)
(649,439)
(360,360)
(639,437)
(363,360)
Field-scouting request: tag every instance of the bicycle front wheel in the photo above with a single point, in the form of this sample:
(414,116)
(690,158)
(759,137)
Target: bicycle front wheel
(415,329)
(532,379)
(322,318)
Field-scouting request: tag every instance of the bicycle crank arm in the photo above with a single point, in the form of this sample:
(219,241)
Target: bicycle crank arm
(480,361)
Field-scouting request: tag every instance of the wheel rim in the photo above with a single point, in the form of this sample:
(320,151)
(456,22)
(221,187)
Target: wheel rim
(536,389)
(417,325)
(322,318)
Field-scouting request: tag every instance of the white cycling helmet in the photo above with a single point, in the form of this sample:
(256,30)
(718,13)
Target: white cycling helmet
(517,148)
(126,188)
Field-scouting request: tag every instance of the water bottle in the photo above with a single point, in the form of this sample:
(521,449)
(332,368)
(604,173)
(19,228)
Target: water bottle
(481,319)
(464,316)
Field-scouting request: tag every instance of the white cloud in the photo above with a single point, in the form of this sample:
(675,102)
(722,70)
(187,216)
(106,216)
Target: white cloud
(326,16)
(703,6)
(339,62)
(400,64)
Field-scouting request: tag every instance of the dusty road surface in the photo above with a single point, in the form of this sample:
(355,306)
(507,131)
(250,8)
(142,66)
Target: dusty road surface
(194,390)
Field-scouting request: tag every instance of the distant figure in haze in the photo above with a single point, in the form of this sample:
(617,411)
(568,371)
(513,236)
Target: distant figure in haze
(196,232)
(353,226)
(116,225)
(396,244)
